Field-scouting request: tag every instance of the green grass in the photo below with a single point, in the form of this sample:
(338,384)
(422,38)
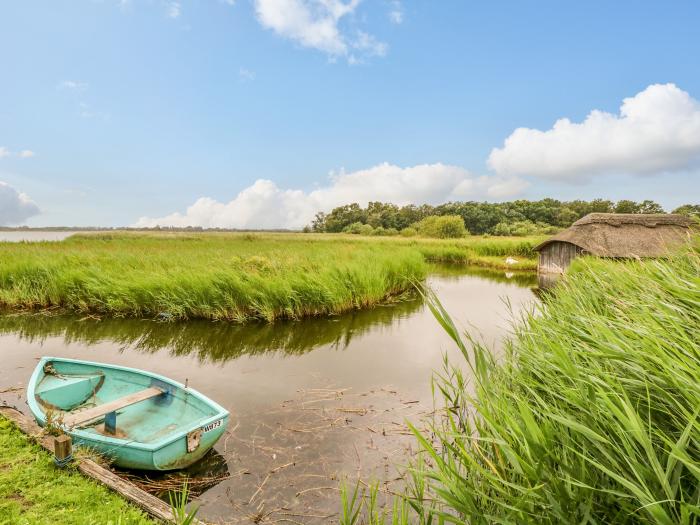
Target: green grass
(592,417)
(488,252)
(34,492)
(236,277)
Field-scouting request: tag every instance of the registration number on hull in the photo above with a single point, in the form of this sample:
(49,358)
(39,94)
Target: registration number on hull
(212,426)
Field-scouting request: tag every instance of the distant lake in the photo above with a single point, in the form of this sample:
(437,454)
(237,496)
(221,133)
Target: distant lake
(33,235)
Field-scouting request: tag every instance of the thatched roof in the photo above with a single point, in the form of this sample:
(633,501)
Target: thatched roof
(626,234)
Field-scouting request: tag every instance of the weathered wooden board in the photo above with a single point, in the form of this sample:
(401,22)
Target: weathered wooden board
(139,497)
(84,416)
(557,256)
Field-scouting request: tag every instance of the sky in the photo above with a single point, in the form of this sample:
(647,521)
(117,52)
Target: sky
(260,113)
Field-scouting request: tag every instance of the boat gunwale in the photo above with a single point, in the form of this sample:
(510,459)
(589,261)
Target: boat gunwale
(38,412)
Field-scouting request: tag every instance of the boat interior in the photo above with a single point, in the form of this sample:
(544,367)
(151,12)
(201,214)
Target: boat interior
(118,403)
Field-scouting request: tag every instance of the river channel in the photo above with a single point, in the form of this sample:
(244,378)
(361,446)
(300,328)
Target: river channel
(312,402)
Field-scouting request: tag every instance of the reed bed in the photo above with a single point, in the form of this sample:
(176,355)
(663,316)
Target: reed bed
(592,417)
(489,252)
(234,277)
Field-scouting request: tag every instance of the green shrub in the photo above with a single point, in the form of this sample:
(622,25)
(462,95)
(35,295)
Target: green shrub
(355,228)
(442,227)
(409,232)
(366,229)
(523,228)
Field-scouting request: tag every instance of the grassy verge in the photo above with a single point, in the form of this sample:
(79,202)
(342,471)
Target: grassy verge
(236,277)
(592,417)
(487,252)
(34,491)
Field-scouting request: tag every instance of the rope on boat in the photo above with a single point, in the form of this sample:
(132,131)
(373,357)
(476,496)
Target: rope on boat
(50,370)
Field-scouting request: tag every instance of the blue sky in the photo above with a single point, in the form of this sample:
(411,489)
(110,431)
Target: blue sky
(261,112)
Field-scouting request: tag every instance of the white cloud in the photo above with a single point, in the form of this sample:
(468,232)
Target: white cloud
(87,112)
(656,131)
(396,12)
(15,207)
(24,154)
(316,24)
(173,9)
(74,85)
(369,45)
(246,74)
(265,205)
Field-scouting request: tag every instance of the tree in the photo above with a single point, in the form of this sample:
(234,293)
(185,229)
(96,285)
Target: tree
(626,206)
(599,206)
(565,217)
(343,216)
(648,206)
(691,210)
(319,222)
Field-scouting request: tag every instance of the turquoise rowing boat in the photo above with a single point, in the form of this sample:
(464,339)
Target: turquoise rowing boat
(134,418)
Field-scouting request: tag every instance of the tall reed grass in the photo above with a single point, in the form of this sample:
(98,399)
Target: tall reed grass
(488,252)
(235,277)
(592,417)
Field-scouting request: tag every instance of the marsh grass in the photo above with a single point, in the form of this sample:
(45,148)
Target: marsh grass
(178,505)
(232,277)
(593,415)
(489,252)
(235,277)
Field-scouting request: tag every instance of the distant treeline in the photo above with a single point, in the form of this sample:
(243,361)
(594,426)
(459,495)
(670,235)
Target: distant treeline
(521,217)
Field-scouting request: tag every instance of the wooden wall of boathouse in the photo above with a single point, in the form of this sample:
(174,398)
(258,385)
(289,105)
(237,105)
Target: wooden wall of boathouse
(556,256)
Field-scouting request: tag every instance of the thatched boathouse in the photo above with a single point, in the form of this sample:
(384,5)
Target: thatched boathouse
(614,235)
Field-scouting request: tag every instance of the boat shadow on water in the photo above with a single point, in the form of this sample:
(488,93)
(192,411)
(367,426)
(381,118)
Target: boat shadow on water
(208,472)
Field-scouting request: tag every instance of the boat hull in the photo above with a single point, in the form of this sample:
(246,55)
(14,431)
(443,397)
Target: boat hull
(168,431)
(171,456)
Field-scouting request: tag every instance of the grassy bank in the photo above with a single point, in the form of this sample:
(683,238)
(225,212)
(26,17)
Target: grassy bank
(592,417)
(34,491)
(229,276)
(487,252)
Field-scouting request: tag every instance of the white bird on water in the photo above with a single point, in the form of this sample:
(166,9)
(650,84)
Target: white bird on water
(510,261)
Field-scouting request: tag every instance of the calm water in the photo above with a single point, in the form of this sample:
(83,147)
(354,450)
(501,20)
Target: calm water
(311,402)
(34,236)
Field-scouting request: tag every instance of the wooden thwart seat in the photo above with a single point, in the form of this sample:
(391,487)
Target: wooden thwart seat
(80,418)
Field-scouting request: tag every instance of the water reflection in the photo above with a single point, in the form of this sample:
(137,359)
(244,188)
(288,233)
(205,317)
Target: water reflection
(219,342)
(518,278)
(208,341)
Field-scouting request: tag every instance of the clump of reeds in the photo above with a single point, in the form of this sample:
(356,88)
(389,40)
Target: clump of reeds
(231,277)
(592,417)
(482,251)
